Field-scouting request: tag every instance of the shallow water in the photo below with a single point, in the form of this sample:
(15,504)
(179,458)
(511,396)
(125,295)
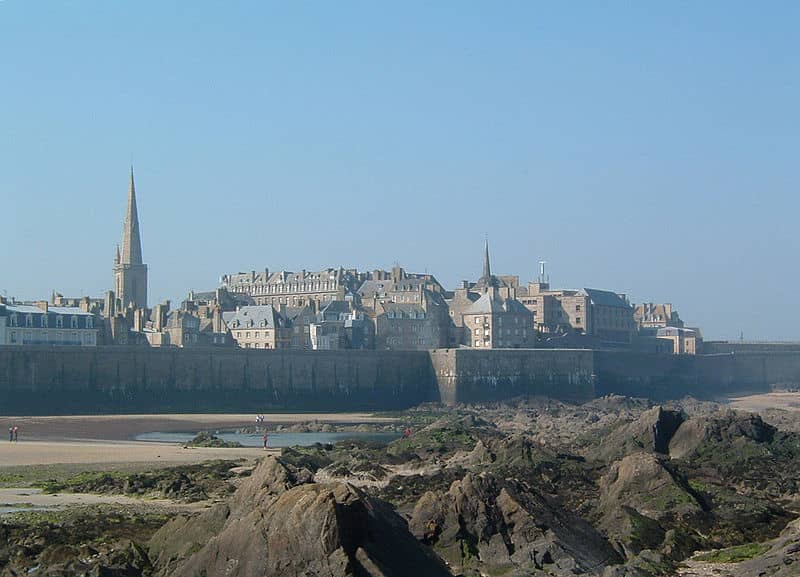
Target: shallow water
(277,439)
(4,510)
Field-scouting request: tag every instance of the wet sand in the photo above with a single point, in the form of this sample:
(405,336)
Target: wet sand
(108,439)
(126,427)
(114,452)
(23,498)
(755,403)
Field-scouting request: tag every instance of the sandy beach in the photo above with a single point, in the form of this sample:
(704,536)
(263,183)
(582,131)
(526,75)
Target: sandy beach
(108,439)
(114,452)
(755,403)
(126,427)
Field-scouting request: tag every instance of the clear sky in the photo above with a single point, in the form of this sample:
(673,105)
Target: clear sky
(649,148)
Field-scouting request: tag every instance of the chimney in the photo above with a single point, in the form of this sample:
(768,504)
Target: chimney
(42,306)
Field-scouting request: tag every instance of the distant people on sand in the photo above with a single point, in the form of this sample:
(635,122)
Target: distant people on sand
(10,434)
(16,434)
(264,438)
(260,419)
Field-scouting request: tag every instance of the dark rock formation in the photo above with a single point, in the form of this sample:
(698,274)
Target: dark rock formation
(280,525)
(652,431)
(643,497)
(488,525)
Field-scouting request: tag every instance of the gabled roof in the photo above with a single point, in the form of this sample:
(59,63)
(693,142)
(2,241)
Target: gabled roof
(490,303)
(485,305)
(33,309)
(606,298)
(254,317)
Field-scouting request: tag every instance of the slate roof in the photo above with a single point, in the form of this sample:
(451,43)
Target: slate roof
(32,309)
(256,317)
(606,298)
(488,304)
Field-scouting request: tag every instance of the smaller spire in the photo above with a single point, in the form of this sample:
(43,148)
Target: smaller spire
(487,269)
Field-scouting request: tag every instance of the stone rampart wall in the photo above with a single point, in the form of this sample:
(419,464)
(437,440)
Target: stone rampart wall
(60,380)
(469,375)
(42,380)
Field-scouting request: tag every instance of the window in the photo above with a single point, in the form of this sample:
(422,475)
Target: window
(477,332)
(477,320)
(14,320)
(577,320)
(44,321)
(478,343)
(577,308)
(89,322)
(13,337)
(73,322)
(28,320)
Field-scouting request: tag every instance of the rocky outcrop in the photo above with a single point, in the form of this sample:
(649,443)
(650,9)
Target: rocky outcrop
(488,525)
(726,428)
(642,498)
(279,525)
(651,431)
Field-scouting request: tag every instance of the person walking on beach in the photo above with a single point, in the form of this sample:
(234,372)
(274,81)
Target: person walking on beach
(10,434)
(264,438)
(16,434)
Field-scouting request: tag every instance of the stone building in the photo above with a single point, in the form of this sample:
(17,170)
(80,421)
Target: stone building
(258,327)
(685,341)
(294,289)
(650,317)
(557,312)
(42,324)
(487,315)
(341,325)
(610,317)
(130,274)
(605,316)
(408,310)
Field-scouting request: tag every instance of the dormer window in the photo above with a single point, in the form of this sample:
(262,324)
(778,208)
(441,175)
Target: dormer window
(59,322)
(14,320)
(89,322)
(73,322)
(29,320)
(44,321)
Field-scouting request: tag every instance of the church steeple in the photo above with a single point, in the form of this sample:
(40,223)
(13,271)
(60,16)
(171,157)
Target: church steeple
(130,274)
(487,279)
(131,243)
(487,269)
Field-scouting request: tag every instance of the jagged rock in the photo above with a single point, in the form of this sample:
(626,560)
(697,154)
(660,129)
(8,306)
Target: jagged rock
(181,536)
(727,428)
(651,431)
(279,526)
(490,525)
(642,497)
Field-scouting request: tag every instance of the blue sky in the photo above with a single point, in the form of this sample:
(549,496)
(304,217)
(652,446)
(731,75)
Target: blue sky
(650,148)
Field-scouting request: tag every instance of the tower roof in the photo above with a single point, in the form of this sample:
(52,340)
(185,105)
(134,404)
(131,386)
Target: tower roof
(487,269)
(487,279)
(131,242)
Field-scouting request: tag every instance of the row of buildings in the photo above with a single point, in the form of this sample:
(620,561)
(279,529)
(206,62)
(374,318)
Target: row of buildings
(340,308)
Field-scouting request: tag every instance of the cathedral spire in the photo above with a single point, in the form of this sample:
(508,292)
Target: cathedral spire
(487,270)
(131,243)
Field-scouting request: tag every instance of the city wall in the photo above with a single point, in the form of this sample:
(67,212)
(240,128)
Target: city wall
(42,380)
(469,375)
(125,379)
